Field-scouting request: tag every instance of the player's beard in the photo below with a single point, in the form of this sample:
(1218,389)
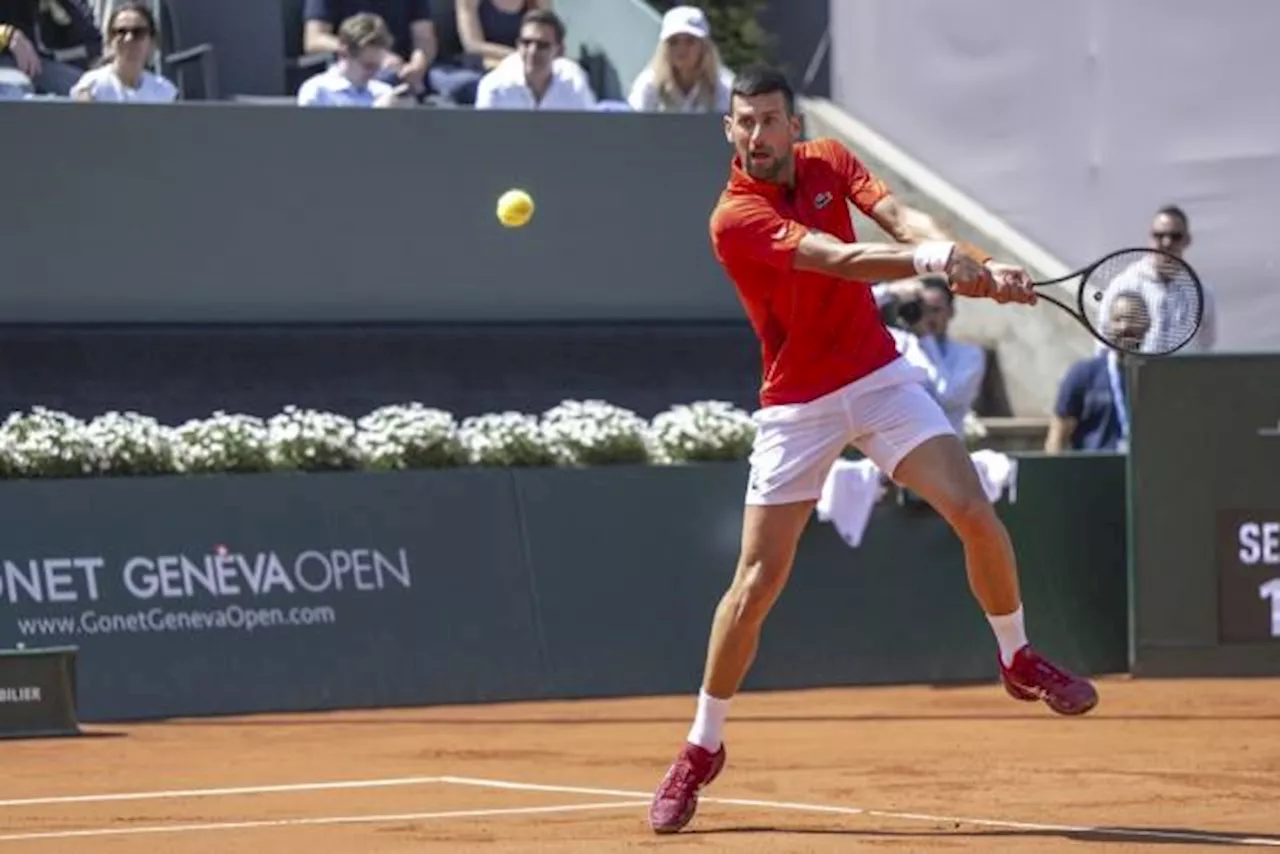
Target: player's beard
(768,170)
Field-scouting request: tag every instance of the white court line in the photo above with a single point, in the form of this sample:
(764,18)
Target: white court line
(215,793)
(1179,835)
(313,822)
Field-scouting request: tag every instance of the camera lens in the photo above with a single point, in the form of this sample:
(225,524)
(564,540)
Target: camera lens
(910,312)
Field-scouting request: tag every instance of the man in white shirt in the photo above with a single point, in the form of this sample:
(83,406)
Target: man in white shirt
(955,369)
(1170,300)
(350,82)
(537,76)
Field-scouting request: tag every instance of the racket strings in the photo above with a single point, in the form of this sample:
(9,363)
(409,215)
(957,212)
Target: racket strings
(1143,301)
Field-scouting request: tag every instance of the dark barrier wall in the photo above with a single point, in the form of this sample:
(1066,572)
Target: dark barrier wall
(211,213)
(1206,516)
(180,373)
(291,592)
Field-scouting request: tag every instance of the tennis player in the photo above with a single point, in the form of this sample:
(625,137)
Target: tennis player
(832,377)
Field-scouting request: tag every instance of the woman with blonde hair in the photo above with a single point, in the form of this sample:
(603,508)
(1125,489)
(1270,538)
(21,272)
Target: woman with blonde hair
(685,75)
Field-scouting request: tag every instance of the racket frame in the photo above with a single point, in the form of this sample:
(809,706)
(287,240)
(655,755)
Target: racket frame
(1080,314)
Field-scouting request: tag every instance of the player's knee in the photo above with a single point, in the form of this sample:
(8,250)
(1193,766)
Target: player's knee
(756,587)
(972,516)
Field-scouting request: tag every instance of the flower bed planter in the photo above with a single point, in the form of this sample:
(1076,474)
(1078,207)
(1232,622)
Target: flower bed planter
(208,593)
(47,443)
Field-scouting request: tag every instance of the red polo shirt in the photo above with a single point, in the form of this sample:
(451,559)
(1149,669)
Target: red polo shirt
(817,333)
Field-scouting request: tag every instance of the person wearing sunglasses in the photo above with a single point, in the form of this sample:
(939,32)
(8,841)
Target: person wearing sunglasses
(537,76)
(123,74)
(1160,286)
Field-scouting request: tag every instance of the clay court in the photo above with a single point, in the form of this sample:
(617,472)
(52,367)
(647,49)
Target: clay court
(1186,765)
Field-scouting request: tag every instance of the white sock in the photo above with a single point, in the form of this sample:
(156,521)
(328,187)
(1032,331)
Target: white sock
(1010,633)
(708,725)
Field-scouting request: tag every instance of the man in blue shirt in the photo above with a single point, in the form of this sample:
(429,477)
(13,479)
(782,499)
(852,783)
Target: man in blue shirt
(1092,410)
(350,82)
(413,34)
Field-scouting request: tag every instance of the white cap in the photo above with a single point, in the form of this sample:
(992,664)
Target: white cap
(688,20)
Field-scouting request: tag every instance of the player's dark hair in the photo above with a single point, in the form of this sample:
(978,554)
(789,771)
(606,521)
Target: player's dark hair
(546,18)
(1175,211)
(763,80)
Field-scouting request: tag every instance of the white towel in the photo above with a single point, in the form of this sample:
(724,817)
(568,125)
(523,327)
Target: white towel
(998,472)
(850,491)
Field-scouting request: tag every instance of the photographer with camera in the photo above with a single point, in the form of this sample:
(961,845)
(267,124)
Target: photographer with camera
(918,313)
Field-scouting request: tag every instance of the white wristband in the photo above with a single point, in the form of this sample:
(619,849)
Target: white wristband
(933,257)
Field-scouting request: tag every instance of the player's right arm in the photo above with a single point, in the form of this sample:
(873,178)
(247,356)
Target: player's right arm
(750,228)
(867,262)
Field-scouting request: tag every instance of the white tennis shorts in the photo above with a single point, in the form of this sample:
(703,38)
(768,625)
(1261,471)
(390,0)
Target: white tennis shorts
(885,415)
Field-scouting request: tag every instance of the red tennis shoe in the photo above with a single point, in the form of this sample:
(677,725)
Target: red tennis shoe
(1031,677)
(677,797)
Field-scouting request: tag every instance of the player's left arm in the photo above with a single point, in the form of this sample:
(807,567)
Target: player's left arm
(906,224)
(872,196)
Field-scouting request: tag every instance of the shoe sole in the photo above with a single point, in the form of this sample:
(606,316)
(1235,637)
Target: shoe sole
(668,829)
(1019,693)
(1076,711)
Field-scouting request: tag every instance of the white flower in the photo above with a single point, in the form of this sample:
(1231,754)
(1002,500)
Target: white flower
(129,443)
(702,431)
(593,432)
(312,441)
(46,443)
(224,443)
(409,436)
(506,439)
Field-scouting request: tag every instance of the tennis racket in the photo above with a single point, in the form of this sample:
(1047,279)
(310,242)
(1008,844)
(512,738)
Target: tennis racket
(1142,301)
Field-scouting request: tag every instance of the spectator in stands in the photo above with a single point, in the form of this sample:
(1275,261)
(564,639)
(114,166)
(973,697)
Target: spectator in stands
(1092,410)
(473,37)
(413,37)
(123,76)
(363,42)
(921,312)
(538,75)
(1170,232)
(30,32)
(491,29)
(685,74)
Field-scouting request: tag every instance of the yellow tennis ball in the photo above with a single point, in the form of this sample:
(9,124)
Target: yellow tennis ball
(515,207)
